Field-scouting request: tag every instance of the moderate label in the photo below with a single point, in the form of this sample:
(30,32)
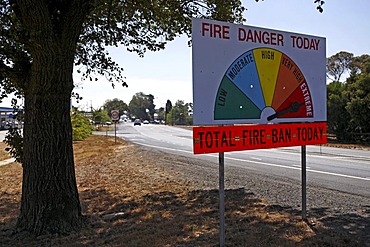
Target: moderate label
(215,139)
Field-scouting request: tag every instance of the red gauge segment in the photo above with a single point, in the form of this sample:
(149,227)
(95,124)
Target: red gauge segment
(301,100)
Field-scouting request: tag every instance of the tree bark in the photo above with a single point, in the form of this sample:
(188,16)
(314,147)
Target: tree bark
(50,201)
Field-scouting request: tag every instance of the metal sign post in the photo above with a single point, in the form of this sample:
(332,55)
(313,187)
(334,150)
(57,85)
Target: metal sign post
(304,198)
(221,160)
(115,132)
(115,118)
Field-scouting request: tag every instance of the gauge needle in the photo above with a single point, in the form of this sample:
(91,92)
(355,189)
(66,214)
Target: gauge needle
(294,107)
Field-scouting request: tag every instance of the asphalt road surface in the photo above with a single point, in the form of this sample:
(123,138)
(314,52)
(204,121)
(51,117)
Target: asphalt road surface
(346,170)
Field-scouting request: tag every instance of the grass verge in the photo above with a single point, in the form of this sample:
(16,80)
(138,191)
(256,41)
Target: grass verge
(130,197)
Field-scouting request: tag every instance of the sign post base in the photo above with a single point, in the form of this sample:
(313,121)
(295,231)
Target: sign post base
(221,159)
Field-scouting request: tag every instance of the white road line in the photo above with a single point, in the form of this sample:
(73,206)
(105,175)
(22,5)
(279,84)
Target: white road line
(7,161)
(136,139)
(307,167)
(327,155)
(172,149)
(323,156)
(296,168)
(261,163)
(255,158)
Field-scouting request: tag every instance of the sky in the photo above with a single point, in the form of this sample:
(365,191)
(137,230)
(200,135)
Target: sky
(167,74)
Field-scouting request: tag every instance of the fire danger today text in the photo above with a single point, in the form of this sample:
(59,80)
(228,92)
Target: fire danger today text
(266,37)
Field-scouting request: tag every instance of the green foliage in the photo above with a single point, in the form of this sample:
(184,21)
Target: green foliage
(161,113)
(14,139)
(140,26)
(358,105)
(319,3)
(137,25)
(14,136)
(80,126)
(360,65)
(100,116)
(349,102)
(141,106)
(338,116)
(115,104)
(168,106)
(151,106)
(338,64)
(167,110)
(179,114)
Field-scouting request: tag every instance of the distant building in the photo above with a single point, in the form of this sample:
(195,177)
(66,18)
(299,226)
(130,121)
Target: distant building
(7,119)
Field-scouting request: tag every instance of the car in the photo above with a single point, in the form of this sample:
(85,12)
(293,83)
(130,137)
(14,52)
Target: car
(146,122)
(137,122)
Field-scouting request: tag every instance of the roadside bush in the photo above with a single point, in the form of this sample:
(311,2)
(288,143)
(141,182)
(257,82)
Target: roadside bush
(80,126)
(14,139)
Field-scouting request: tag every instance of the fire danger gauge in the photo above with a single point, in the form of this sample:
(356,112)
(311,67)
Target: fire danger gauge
(251,75)
(263,83)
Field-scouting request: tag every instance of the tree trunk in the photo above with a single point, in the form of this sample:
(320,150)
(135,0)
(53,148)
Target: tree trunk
(50,201)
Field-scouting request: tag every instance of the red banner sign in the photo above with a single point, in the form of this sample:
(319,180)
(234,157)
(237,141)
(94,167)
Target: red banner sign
(215,139)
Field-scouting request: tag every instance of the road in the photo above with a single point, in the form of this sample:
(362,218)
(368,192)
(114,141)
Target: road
(346,170)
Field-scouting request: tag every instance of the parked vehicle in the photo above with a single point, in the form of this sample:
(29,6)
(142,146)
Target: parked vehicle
(137,122)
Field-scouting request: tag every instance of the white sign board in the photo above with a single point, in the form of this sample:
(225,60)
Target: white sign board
(244,74)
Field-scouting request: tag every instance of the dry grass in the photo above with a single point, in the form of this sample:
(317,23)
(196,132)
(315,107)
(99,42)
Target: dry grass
(3,154)
(130,197)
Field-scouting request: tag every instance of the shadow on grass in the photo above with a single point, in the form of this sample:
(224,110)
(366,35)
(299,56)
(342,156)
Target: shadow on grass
(9,209)
(191,219)
(351,228)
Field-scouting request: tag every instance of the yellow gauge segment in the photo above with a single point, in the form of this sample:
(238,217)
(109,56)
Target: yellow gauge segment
(268,63)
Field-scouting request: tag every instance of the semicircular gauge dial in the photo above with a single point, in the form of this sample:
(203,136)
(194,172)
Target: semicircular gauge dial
(264,84)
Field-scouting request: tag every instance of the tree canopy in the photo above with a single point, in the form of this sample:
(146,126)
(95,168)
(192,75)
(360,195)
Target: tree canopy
(337,64)
(100,116)
(180,113)
(137,25)
(115,104)
(141,106)
(349,101)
